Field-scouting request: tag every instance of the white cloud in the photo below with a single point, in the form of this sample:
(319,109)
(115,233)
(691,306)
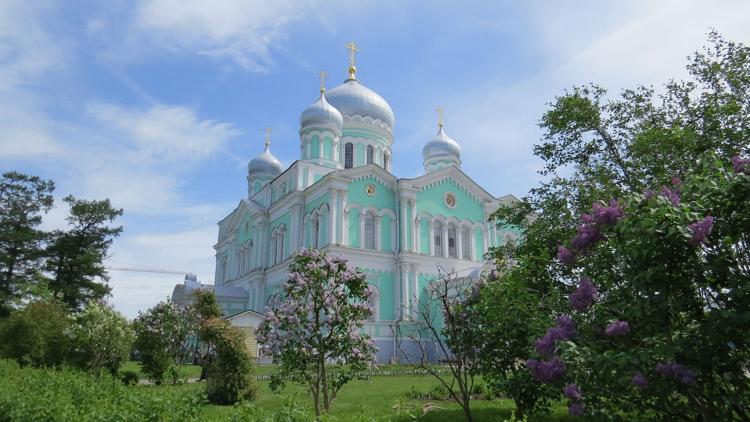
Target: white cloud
(187,251)
(166,132)
(244,31)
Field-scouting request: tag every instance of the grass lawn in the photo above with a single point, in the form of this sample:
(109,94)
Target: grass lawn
(377,398)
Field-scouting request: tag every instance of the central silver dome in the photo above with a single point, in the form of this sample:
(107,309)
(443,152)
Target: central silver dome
(353,98)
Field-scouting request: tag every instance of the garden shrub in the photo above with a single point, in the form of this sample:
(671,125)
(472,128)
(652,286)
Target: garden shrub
(35,335)
(31,394)
(129,378)
(230,369)
(101,339)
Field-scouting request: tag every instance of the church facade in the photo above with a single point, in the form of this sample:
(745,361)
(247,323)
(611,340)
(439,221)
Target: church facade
(342,197)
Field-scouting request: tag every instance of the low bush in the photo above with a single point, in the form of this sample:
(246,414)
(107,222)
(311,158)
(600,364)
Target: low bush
(35,335)
(129,378)
(30,394)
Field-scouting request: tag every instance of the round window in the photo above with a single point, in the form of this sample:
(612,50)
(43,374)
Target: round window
(450,200)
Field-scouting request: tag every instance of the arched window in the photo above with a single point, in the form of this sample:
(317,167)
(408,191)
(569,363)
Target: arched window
(452,250)
(369,231)
(438,236)
(465,246)
(385,160)
(374,302)
(370,154)
(274,248)
(250,255)
(315,231)
(280,245)
(224,269)
(348,155)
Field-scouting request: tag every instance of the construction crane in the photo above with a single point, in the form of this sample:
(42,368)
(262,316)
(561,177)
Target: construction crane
(146,270)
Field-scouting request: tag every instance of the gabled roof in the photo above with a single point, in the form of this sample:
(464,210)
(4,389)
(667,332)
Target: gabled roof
(460,177)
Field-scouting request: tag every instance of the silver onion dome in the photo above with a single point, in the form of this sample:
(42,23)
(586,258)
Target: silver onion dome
(321,113)
(442,147)
(264,164)
(352,98)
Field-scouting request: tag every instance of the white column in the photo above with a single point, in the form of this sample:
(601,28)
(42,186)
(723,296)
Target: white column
(378,232)
(473,246)
(403,224)
(345,225)
(394,234)
(414,289)
(333,213)
(431,237)
(445,240)
(404,293)
(485,242)
(362,229)
(413,220)
(418,235)
(459,242)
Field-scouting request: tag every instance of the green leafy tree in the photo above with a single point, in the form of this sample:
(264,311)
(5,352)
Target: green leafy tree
(101,339)
(506,343)
(163,338)
(662,308)
(316,323)
(35,335)
(23,200)
(75,257)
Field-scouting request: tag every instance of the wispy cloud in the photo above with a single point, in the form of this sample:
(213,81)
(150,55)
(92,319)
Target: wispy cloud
(245,32)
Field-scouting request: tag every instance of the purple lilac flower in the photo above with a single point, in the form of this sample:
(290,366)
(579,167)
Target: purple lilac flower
(700,230)
(545,346)
(648,194)
(576,409)
(584,295)
(572,392)
(617,328)
(607,215)
(676,181)
(565,323)
(565,256)
(587,236)
(676,371)
(740,164)
(639,380)
(671,195)
(546,371)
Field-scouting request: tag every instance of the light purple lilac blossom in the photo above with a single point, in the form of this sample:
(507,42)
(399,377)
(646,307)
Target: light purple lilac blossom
(576,409)
(546,371)
(617,328)
(639,380)
(565,256)
(700,230)
(588,235)
(564,330)
(740,164)
(672,195)
(572,392)
(676,371)
(607,215)
(584,295)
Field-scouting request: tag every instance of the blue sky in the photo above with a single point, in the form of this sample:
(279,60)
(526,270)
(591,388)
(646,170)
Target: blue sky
(159,104)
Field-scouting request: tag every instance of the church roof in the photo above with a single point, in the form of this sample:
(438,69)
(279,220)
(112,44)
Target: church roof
(354,99)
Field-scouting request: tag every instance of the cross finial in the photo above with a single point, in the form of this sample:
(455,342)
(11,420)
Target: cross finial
(352,51)
(323,82)
(268,137)
(440,111)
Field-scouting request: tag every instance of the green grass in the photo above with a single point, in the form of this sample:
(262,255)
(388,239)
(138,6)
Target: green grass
(377,398)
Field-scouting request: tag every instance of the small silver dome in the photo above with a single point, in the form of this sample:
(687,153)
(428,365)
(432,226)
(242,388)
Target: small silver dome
(265,164)
(321,113)
(442,146)
(353,98)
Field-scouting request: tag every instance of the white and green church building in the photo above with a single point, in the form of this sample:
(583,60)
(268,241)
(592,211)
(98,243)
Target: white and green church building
(342,197)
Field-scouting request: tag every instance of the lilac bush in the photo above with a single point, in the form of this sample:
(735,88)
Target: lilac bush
(617,328)
(313,328)
(584,296)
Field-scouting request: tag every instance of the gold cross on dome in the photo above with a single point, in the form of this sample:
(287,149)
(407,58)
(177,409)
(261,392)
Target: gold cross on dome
(323,81)
(440,111)
(352,50)
(268,137)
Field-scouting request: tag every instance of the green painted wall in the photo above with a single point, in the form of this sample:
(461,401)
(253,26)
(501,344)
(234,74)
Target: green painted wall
(244,235)
(385,281)
(286,220)
(385,233)
(315,203)
(359,154)
(432,200)
(424,237)
(315,147)
(384,196)
(479,244)
(354,228)
(327,148)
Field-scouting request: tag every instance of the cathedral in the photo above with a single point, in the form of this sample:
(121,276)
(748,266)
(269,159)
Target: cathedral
(341,197)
